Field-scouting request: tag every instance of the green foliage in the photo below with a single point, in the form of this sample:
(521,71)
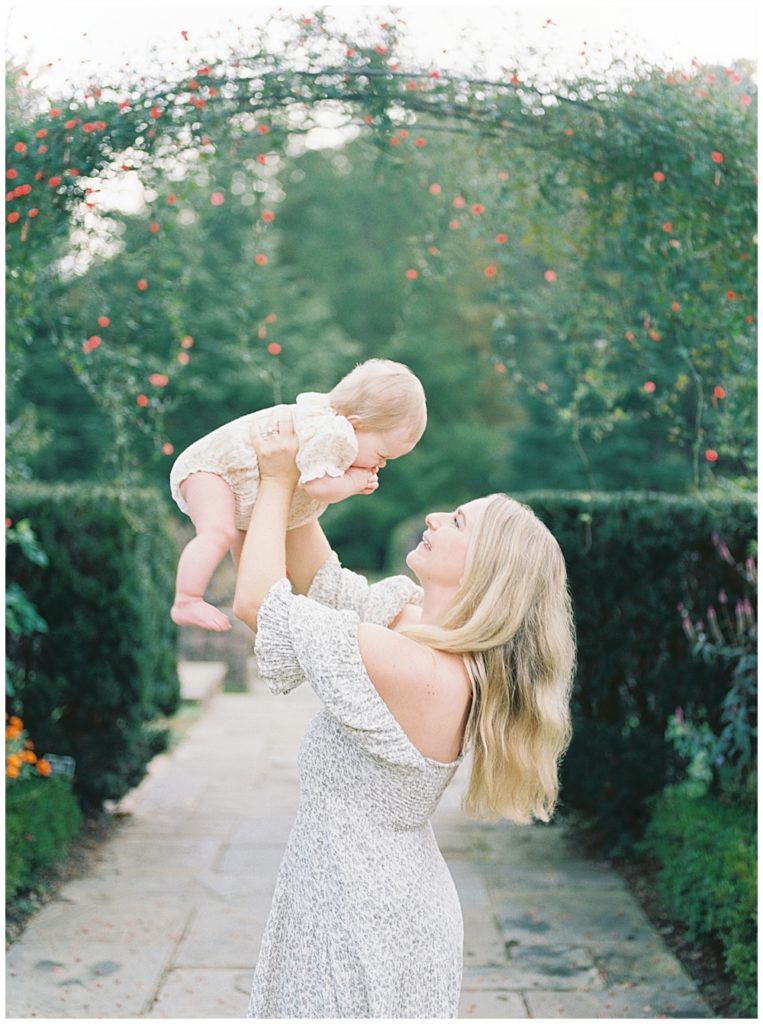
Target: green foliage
(107,664)
(608,306)
(708,877)
(21,616)
(629,557)
(41,818)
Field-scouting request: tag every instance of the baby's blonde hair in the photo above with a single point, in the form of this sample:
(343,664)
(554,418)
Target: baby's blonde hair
(384,395)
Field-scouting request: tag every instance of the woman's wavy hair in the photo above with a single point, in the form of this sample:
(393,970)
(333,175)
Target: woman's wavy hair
(512,620)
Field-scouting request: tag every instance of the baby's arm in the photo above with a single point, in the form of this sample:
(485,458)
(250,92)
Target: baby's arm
(330,489)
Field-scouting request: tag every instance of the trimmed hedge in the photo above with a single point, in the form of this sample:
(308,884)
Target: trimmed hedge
(41,818)
(631,557)
(708,878)
(107,665)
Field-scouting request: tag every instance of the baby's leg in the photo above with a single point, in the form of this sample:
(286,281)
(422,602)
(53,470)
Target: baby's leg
(212,509)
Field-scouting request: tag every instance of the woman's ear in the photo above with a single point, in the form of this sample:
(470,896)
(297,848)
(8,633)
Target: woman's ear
(355,421)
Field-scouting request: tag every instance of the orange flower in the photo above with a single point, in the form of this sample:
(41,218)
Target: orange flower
(411,274)
(183,358)
(154,228)
(11,173)
(550,275)
(394,141)
(217,199)
(454,224)
(141,284)
(718,391)
(263,129)
(404,133)
(271,318)
(171,199)
(142,400)
(155,113)
(478,208)
(268,216)
(435,189)
(29,757)
(11,772)
(260,259)
(13,217)
(667,226)
(490,271)
(55,181)
(459,202)
(655,335)
(43,767)
(91,343)
(569,131)
(675,306)
(168,448)
(650,387)
(711,455)
(731,296)
(103,321)
(41,133)
(159,380)
(420,142)
(501,238)
(20,147)
(658,176)
(274,348)
(716,157)
(186,342)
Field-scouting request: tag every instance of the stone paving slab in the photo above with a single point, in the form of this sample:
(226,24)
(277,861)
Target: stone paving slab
(194,993)
(169,921)
(83,979)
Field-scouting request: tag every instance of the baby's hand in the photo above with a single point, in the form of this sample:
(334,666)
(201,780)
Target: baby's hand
(330,489)
(365,481)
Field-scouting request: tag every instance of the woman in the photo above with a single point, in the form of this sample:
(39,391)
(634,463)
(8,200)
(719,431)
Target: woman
(366,920)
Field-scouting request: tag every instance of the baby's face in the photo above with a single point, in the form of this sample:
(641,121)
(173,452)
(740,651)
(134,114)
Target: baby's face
(376,448)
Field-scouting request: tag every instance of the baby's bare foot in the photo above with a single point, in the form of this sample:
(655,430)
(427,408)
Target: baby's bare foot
(199,613)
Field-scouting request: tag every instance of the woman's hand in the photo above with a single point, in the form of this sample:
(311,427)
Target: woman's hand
(275,442)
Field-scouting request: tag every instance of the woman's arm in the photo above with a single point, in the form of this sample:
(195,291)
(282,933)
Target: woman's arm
(306,550)
(263,557)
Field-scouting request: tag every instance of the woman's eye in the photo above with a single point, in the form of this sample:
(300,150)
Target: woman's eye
(455,520)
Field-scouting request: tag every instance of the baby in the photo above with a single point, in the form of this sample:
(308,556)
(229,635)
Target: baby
(375,413)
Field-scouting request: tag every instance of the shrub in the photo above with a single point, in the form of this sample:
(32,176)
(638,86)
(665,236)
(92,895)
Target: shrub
(41,818)
(708,856)
(630,558)
(107,665)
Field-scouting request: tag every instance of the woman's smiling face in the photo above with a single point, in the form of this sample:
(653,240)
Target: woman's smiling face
(440,556)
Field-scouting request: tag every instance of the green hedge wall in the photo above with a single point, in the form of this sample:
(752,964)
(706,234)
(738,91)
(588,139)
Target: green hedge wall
(631,557)
(107,665)
(41,818)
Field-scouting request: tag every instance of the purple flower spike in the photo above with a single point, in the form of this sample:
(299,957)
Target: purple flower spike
(723,597)
(725,554)
(679,714)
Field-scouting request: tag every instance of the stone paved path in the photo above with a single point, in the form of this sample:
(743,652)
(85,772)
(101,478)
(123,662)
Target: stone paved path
(168,923)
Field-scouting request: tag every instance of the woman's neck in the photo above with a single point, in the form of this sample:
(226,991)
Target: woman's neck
(436,600)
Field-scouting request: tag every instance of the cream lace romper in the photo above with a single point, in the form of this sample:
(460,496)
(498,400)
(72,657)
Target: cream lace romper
(365,919)
(327,446)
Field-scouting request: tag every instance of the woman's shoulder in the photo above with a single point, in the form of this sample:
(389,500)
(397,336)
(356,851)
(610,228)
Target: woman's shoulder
(428,691)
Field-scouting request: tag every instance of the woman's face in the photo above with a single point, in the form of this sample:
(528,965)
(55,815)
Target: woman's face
(440,556)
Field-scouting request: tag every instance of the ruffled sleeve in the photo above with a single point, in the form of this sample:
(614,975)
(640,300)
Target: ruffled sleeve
(380,602)
(327,442)
(299,639)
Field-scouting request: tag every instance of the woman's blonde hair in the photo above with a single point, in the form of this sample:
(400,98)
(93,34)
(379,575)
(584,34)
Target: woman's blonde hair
(512,621)
(385,395)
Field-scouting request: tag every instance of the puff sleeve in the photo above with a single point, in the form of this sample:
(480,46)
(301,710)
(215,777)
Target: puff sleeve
(380,602)
(299,639)
(327,442)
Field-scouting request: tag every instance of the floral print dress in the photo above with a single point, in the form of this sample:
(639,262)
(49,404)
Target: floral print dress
(365,920)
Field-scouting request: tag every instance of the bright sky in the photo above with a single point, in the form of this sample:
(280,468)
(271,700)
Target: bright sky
(81,42)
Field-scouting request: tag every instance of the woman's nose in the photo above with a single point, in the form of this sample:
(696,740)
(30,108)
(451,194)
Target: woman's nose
(432,520)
